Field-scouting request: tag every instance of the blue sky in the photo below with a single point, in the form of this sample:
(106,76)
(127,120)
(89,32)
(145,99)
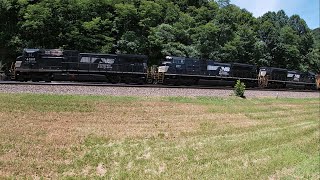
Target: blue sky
(306,9)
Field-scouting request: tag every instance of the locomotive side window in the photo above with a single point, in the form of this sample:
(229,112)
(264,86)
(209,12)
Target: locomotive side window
(178,61)
(212,68)
(290,75)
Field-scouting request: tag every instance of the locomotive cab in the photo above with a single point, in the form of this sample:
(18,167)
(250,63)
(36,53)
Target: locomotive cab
(272,77)
(164,66)
(28,59)
(42,64)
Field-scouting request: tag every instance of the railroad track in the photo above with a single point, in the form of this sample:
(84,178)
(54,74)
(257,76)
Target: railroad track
(66,83)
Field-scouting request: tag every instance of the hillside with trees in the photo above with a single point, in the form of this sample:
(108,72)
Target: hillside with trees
(316,35)
(203,29)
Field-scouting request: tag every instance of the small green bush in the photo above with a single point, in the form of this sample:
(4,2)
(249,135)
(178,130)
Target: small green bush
(239,88)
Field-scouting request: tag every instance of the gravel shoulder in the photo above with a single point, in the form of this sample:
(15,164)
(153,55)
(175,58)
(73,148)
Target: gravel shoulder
(146,92)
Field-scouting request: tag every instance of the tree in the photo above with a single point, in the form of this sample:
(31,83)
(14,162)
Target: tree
(10,40)
(126,19)
(241,47)
(193,28)
(206,40)
(151,14)
(130,43)
(313,62)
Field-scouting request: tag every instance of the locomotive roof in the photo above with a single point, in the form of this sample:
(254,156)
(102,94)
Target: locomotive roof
(119,55)
(293,71)
(224,64)
(31,50)
(242,64)
(181,58)
(274,68)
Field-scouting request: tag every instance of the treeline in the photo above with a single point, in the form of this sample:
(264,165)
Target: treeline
(194,28)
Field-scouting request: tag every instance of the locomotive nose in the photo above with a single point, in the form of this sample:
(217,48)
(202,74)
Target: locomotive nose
(163,69)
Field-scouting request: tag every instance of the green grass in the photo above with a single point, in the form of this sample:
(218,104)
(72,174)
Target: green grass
(54,103)
(234,138)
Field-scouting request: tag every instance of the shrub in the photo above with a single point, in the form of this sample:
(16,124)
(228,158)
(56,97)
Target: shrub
(239,88)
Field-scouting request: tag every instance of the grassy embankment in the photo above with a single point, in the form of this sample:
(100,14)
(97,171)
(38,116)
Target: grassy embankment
(158,138)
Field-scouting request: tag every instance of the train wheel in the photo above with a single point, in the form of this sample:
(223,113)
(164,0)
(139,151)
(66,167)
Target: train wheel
(128,80)
(195,81)
(140,81)
(177,82)
(35,79)
(48,78)
(115,79)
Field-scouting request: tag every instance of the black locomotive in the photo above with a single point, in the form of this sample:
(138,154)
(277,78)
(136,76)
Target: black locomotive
(68,65)
(65,65)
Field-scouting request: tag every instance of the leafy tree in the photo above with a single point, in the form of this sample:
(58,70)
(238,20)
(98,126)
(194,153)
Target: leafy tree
(151,14)
(126,18)
(194,28)
(206,40)
(316,37)
(241,48)
(313,61)
(130,43)
(9,28)
(261,54)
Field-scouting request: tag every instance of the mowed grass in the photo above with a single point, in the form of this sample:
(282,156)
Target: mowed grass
(85,137)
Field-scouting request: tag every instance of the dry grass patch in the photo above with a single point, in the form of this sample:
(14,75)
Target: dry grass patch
(162,138)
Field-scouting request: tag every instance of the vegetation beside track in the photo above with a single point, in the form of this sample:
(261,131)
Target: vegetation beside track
(61,136)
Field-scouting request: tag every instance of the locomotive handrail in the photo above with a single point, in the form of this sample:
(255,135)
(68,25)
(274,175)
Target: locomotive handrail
(13,71)
(263,81)
(318,81)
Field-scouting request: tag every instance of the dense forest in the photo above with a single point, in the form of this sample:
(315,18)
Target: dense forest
(207,29)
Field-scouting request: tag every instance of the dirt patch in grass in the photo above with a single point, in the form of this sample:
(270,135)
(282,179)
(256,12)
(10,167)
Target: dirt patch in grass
(97,138)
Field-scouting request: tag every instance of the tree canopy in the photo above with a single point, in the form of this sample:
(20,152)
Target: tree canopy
(209,29)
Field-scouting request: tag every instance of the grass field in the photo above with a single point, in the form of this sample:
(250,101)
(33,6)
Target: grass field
(81,137)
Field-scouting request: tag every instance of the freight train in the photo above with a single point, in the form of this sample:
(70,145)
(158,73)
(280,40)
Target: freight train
(70,65)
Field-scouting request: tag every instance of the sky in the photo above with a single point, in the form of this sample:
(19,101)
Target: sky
(306,9)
